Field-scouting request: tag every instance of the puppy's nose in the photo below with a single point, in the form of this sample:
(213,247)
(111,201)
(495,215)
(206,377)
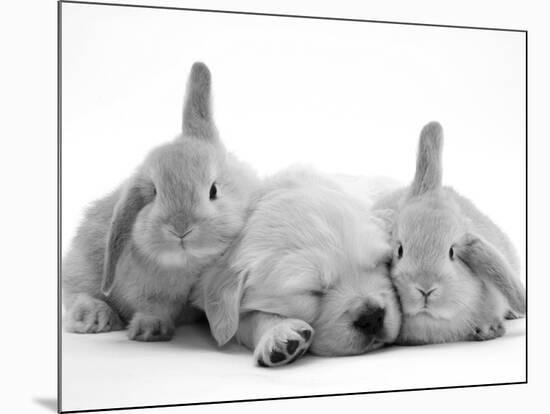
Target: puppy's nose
(370,321)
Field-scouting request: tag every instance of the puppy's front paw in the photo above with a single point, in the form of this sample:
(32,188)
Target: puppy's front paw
(283,343)
(144,327)
(487,331)
(91,315)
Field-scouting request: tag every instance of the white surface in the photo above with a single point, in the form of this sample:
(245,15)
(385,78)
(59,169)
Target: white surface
(108,370)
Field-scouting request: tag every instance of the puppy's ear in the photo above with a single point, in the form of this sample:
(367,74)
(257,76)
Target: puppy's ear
(197,111)
(486,262)
(222,299)
(125,212)
(428,160)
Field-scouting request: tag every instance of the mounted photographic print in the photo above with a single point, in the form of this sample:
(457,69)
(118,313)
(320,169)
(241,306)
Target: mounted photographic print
(258,207)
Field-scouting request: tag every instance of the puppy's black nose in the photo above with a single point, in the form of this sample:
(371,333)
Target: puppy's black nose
(371,321)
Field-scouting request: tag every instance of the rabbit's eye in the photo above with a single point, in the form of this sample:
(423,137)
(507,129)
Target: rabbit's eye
(400,251)
(213,191)
(451,253)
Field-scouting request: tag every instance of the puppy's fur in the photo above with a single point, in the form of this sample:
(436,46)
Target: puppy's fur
(309,264)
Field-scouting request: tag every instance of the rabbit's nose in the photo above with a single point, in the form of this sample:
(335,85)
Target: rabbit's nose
(426,292)
(371,321)
(180,235)
(180,222)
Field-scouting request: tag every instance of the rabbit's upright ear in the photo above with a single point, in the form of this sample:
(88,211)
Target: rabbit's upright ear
(222,299)
(125,212)
(428,160)
(486,262)
(197,111)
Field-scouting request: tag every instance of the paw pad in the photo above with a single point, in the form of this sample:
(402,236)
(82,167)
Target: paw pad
(306,334)
(276,357)
(292,346)
(284,343)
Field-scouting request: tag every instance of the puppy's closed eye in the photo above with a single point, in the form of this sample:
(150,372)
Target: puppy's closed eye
(317,293)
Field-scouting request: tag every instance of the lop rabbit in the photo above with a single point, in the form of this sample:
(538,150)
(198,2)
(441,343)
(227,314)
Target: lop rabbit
(140,249)
(456,272)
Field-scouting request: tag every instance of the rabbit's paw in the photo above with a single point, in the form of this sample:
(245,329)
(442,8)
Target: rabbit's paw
(91,315)
(283,343)
(487,331)
(513,315)
(144,327)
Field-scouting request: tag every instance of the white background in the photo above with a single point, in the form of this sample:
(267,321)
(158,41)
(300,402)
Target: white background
(344,97)
(29,169)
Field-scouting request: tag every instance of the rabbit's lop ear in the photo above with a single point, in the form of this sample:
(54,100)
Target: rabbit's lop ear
(197,111)
(222,301)
(486,262)
(428,160)
(124,215)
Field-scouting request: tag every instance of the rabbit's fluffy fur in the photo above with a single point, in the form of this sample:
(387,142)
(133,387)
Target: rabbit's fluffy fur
(309,264)
(456,272)
(140,249)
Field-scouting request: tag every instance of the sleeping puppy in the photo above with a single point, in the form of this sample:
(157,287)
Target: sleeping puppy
(307,272)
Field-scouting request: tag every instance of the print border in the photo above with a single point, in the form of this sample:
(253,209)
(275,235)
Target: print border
(294,16)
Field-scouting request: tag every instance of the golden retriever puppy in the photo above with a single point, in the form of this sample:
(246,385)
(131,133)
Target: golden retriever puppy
(309,271)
